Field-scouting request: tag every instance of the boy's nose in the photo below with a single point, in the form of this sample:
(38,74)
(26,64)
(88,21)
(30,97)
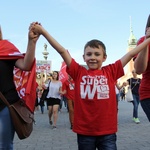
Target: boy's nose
(92,56)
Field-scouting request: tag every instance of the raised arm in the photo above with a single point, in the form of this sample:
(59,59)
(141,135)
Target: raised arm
(127,57)
(37,28)
(140,48)
(27,62)
(141,61)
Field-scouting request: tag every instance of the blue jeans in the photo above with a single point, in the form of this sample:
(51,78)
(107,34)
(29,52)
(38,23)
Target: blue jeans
(135,102)
(6,130)
(104,142)
(42,109)
(146,107)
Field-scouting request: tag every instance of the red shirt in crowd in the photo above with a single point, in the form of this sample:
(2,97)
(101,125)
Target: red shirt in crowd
(144,90)
(69,86)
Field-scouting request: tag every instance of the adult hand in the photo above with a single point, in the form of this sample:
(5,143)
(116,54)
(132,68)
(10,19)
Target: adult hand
(33,35)
(36,27)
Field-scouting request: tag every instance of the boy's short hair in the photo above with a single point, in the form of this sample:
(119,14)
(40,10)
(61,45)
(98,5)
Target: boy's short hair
(1,37)
(95,44)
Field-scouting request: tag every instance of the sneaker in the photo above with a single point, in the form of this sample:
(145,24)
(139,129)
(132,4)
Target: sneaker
(136,120)
(50,122)
(54,128)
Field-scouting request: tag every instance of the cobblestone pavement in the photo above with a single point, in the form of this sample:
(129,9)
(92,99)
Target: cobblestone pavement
(130,136)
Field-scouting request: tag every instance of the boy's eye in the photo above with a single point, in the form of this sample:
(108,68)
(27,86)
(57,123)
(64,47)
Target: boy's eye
(88,54)
(97,54)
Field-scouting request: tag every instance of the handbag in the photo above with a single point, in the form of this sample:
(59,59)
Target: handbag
(22,117)
(129,96)
(45,92)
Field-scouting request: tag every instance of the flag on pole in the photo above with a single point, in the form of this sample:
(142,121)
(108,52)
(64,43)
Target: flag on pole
(63,76)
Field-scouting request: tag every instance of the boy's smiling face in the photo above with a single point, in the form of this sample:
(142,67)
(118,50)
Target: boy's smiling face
(94,57)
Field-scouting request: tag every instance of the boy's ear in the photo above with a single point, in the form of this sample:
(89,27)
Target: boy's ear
(105,57)
(83,57)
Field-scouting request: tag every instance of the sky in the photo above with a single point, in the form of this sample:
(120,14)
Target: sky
(73,23)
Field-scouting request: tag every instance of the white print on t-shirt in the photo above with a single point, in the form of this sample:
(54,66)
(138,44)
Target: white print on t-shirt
(91,86)
(71,86)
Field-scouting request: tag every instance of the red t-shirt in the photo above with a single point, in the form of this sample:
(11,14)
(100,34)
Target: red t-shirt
(69,87)
(144,90)
(95,109)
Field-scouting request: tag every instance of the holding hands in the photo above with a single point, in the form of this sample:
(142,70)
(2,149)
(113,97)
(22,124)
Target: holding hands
(34,36)
(36,28)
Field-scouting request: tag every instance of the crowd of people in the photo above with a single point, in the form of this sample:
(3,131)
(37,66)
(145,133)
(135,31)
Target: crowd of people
(90,93)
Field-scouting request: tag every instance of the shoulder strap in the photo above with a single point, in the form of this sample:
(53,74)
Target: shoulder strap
(135,84)
(4,99)
(49,83)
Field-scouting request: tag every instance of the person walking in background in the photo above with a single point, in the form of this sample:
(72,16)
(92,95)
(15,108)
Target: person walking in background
(64,101)
(142,66)
(122,93)
(68,90)
(44,93)
(11,57)
(118,87)
(54,98)
(134,83)
(41,101)
(37,101)
(95,117)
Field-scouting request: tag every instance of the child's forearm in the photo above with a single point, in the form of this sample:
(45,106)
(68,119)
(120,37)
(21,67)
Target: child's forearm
(140,47)
(126,58)
(59,48)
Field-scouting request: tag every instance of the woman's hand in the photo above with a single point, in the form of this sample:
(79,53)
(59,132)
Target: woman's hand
(34,36)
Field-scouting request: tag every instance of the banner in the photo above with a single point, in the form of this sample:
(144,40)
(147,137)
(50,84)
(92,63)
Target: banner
(63,76)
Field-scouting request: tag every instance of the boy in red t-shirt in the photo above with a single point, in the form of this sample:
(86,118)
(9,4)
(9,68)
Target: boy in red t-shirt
(95,108)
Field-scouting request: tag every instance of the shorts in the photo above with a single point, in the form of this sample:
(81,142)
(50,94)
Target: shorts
(53,101)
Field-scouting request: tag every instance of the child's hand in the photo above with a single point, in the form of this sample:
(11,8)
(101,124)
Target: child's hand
(33,35)
(36,28)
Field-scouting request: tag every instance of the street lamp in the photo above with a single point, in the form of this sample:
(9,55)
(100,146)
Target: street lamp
(45,55)
(45,52)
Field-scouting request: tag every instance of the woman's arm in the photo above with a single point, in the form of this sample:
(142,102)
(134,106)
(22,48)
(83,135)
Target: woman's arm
(27,62)
(37,28)
(141,61)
